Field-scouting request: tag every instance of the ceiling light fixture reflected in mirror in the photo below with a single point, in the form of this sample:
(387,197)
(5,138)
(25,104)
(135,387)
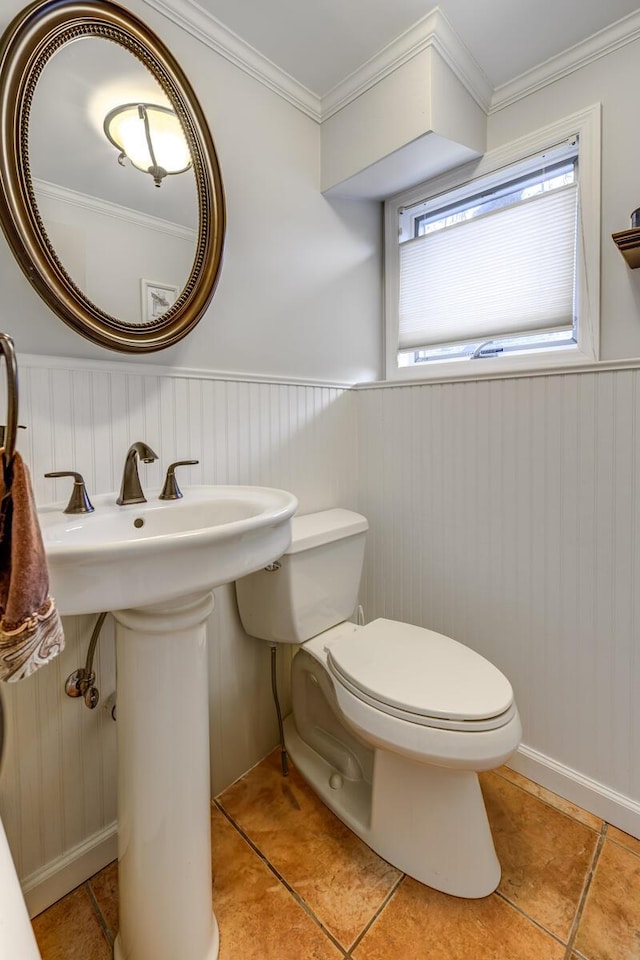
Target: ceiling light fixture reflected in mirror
(150,137)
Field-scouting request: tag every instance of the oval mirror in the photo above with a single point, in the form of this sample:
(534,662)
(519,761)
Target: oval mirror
(110,191)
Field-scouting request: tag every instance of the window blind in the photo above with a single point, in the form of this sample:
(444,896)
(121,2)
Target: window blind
(505,273)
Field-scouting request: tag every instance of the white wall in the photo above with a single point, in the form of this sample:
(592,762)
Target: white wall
(299,294)
(84,231)
(506,512)
(613,82)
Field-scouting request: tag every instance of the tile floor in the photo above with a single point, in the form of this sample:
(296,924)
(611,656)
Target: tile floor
(292,883)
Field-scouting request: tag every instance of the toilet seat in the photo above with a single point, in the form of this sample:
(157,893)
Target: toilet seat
(421,677)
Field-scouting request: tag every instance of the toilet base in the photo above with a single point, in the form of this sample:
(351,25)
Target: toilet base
(431,822)
(428,821)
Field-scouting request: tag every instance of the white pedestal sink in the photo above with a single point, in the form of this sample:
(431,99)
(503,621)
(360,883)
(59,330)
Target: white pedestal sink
(154,565)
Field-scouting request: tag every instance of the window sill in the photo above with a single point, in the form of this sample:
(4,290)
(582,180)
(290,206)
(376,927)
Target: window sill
(563,361)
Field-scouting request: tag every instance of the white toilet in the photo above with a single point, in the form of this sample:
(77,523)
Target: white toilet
(391,723)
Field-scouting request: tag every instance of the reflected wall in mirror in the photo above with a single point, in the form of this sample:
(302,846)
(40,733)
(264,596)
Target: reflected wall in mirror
(85,223)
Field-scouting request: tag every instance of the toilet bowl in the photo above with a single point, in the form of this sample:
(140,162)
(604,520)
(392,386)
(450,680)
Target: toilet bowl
(391,722)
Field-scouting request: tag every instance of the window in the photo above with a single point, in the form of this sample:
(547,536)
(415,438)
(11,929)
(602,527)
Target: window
(497,264)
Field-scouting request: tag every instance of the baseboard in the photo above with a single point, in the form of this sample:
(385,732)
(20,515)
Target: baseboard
(616,808)
(59,876)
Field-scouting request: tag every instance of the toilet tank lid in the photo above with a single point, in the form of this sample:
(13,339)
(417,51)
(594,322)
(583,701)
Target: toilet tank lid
(314,529)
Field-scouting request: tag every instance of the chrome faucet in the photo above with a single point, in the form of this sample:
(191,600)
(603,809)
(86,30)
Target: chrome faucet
(130,489)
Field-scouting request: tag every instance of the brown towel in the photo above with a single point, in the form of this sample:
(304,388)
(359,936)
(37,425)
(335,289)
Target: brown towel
(30,629)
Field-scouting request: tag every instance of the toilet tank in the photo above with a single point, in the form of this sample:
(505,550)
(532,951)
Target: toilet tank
(315,584)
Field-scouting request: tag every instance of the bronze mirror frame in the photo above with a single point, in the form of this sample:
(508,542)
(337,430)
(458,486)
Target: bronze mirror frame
(27,45)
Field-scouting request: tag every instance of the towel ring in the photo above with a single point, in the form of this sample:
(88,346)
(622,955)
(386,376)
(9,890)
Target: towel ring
(7,348)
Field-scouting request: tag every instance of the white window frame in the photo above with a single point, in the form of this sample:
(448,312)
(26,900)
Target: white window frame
(586,125)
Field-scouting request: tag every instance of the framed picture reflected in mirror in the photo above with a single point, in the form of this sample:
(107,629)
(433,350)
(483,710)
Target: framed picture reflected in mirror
(156,298)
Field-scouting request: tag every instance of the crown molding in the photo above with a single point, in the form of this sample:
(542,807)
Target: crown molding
(435,31)
(191,17)
(114,210)
(598,45)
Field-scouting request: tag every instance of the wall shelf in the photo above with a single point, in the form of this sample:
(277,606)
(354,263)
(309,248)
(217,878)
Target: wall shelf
(628,243)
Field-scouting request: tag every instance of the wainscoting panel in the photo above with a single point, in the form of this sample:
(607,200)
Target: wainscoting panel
(57,788)
(506,513)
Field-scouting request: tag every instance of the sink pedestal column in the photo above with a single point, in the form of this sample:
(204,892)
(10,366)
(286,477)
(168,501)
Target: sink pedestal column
(164,840)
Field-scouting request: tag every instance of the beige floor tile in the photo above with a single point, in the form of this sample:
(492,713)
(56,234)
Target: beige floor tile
(565,806)
(545,851)
(313,850)
(257,916)
(105,889)
(545,855)
(618,836)
(610,924)
(421,924)
(69,930)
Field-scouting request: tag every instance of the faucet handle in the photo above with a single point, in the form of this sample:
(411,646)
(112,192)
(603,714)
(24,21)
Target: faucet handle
(171,490)
(78,501)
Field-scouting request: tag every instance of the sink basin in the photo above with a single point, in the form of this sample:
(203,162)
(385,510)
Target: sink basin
(138,555)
